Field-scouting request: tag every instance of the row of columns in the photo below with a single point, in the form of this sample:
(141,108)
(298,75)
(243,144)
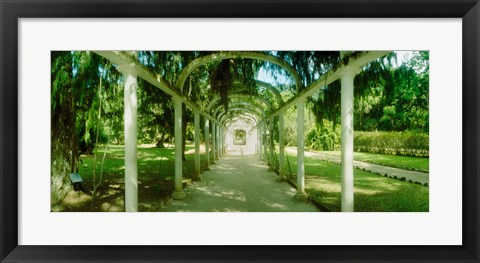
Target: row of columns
(265,140)
(130,130)
(347,177)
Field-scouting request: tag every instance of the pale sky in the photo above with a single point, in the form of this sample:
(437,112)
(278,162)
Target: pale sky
(263,75)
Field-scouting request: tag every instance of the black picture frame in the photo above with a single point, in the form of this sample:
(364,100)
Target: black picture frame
(11,11)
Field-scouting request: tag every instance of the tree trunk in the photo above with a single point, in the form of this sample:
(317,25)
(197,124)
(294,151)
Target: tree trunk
(64,147)
(60,181)
(72,133)
(161,140)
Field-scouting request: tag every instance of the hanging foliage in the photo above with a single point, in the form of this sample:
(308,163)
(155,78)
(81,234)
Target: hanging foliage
(221,81)
(234,76)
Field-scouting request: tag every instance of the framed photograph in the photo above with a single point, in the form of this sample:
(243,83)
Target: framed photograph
(35,35)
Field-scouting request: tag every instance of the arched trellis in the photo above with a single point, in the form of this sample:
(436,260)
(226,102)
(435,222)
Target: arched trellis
(216,100)
(261,116)
(245,115)
(232,122)
(249,113)
(247,105)
(273,90)
(228,119)
(262,145)
(237,54)
(240,134)
(268,104)
(240,118)
(231,119)
(346,71)
(240,106)
(242,110)
(215,128)
(217,131)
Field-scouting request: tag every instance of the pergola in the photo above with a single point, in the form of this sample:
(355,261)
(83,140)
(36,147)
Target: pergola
(258,113)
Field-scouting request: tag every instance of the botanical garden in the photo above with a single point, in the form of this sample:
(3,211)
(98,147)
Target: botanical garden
(240,131)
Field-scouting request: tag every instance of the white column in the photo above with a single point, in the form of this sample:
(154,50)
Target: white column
(130,126)
(224,143)
(207,142)
(271,156)
(300,195)
(256,143)
(281,143)
(220,139)
(265,143)
(215,131)
(197,144)
(258,148)
(214,149)
(224,140)
(347,138)
(179,193)
(217,141)
(220,142)
(260,143)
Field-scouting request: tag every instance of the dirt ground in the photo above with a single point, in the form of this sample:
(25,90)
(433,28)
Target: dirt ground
(110,197)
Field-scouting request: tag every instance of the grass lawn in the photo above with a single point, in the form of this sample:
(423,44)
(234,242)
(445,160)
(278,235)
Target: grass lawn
(398,161)
(153,163)
(373,193)
(156,173)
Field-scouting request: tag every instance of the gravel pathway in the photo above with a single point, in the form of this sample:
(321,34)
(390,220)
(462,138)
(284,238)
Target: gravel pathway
(420,177)
(239,183)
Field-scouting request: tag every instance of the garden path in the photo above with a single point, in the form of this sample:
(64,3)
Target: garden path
(239,183)
(420,177)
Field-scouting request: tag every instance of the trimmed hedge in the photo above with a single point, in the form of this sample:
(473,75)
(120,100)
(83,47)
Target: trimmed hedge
(393,143)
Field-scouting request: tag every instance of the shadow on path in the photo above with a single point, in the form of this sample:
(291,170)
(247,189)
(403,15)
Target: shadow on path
(239,183)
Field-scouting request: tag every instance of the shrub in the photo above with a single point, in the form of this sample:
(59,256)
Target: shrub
(323,138)
(395,143)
